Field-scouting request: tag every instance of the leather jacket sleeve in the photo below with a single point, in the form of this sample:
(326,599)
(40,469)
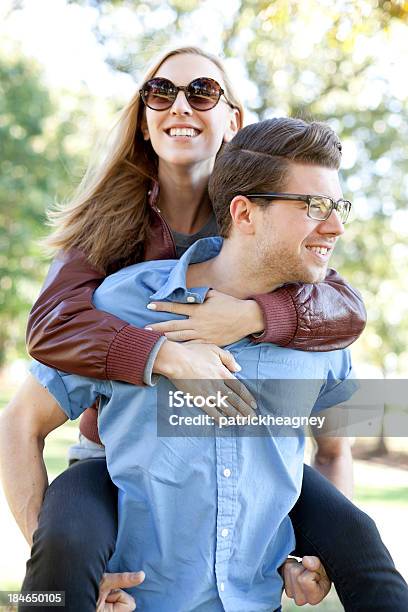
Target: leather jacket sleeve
(313,317)
(66,332)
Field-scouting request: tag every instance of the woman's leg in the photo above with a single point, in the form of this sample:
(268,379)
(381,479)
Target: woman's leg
(346,540)
(76,535)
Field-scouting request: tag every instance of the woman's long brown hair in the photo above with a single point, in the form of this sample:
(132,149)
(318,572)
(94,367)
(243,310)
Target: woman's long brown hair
(108,216)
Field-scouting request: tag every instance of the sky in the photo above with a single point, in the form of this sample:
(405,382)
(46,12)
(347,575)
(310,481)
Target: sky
(59,36)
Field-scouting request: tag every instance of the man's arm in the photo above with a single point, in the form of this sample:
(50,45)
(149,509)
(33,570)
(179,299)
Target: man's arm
(333,459)
(24,424)
(306,581)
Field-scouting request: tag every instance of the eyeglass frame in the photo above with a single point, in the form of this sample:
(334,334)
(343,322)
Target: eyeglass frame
(184,89)
(303,198)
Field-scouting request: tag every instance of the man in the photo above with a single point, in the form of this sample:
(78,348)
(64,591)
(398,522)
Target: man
(207,517)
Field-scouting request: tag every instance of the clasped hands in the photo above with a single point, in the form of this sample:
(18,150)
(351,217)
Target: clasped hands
(221,319)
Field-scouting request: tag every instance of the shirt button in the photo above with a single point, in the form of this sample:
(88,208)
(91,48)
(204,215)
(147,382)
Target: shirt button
(227,473)
(222,586)
(224,533)
(191,298)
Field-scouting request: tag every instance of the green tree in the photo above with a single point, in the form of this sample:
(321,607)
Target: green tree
(34,172)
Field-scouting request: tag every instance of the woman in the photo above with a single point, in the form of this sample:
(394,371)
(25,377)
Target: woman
(149,201)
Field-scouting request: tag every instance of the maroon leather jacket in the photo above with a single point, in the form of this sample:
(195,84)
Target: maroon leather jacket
(65,331)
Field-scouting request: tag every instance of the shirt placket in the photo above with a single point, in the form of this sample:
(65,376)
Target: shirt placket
(227,480)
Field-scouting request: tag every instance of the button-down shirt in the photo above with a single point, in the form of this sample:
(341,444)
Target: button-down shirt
(206,517)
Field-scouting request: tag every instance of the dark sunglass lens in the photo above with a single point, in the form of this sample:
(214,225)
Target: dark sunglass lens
(203,94)
(159,94)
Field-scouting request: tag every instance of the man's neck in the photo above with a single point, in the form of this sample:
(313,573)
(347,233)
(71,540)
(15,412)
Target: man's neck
(230,273)
(183,199)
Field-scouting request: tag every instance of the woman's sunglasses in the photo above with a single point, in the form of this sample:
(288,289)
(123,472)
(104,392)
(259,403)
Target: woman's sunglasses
(202,94)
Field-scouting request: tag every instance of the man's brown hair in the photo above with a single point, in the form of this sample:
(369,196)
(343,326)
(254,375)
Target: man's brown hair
(258,159)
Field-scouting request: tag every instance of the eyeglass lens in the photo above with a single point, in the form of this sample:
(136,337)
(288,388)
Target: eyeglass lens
(320,208)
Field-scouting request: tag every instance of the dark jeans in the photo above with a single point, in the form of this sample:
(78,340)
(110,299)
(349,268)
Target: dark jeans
(77,532)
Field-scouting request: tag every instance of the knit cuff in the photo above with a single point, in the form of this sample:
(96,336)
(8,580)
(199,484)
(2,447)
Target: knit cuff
(280,317)
(149,378)
(129,353)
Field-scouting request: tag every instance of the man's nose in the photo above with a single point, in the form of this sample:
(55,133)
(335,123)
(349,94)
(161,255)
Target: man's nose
(180,105)
(332,225)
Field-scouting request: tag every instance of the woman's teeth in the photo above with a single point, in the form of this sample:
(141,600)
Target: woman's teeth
(191,132)
(320,250)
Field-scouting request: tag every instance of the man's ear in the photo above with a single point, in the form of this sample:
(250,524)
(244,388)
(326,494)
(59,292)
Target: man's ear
(234,124)
(242,214)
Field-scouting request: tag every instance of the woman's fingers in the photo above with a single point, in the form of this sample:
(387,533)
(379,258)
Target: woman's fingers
(228,360)
(211,319)
(169,326)
(242,392)
(175,307)
(182,336)
(177,330)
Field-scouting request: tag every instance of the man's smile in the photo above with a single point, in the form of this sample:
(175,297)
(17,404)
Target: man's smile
(321,250)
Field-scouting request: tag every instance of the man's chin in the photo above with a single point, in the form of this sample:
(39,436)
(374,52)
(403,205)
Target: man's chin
(318,276)
(313,275)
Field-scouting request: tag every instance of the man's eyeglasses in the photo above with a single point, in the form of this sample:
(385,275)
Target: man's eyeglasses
(202,94)
(319,207)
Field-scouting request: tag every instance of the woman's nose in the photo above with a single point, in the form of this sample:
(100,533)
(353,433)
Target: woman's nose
(180,105)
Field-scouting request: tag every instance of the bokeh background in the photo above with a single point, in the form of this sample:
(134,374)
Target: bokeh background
(68,66)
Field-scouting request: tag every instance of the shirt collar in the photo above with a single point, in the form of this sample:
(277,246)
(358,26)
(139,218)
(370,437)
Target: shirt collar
(174,289)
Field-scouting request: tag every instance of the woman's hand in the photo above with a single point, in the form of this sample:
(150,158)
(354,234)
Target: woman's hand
(221,319)
(205,370)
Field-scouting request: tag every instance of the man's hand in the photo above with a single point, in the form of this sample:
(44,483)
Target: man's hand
(111,596)
(306,582)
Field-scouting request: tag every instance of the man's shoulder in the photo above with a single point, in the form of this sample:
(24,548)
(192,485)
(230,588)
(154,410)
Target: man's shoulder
(324,362)
(148,274)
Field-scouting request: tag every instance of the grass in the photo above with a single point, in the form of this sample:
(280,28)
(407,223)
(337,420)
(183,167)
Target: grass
(396,495)
(330,604)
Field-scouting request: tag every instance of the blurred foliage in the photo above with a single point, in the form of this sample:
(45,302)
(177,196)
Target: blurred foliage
(334,61)
(33,170)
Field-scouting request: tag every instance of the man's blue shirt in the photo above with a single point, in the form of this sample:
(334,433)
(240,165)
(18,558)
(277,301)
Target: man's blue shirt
(205,517)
